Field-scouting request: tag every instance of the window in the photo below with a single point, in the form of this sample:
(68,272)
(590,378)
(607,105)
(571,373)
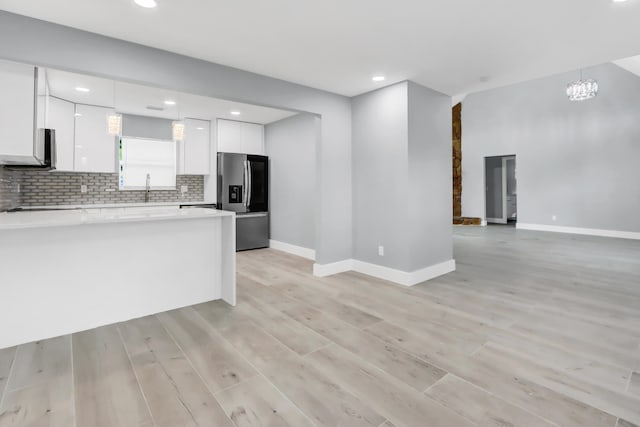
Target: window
(142,157)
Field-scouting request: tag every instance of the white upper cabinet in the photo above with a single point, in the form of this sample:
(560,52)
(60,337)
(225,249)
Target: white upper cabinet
(95,149)
(194,152)
(252,138)
(60,118)
(17,111)
(240,137)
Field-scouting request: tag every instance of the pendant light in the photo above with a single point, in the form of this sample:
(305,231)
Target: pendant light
(114,121)
(177,126)
(582,90)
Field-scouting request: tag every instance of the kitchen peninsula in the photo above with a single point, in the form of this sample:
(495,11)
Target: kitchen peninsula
(66,271)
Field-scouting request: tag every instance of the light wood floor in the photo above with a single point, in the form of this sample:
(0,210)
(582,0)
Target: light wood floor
(533,329)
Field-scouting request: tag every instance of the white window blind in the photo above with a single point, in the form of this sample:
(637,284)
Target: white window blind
(139,157)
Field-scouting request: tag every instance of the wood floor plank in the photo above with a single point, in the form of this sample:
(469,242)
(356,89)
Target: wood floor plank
(7,356)
(570,363)
(481,407)
(615,403)
(257,402)
(308,293)
(551,405)
(176,395)
(634,384)
(40,390)
(396,401)
(107,392)
(293,334)
(39,405)
(318,396)
(406,367)
(42,361)
(213,358)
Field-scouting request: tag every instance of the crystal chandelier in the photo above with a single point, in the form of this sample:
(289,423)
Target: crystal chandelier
(582,90)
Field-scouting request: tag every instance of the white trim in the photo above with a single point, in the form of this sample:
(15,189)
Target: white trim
(483,223)
(585,231)
(386,273)
(293,249)
(324,270)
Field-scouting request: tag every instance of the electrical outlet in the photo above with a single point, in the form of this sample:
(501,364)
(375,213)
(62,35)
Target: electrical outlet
(381,250)
(184,189)
(83,188)
(553,217)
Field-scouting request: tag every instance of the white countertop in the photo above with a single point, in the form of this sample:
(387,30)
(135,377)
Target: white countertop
(58,218)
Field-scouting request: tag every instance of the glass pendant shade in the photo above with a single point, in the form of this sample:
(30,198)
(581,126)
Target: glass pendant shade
(582,90)
(114,124)
(178,131)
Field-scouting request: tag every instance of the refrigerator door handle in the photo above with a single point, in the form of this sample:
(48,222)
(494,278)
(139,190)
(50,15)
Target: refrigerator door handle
(245,175)
(248,183)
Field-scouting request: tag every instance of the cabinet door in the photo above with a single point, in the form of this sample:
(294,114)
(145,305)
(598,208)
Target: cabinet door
(95,149)
(197,143)
(229,136)
(252,138)
(17,85)
(60,118)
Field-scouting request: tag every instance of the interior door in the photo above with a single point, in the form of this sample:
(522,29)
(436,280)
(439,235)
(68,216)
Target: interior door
(495,189)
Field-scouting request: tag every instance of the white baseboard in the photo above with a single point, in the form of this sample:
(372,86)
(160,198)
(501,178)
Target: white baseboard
(293,249)
(385,273)
(585,231)
(483,223)
(324,270)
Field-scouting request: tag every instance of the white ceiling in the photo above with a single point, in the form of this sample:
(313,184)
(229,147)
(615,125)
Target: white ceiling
(630,64)
(134,99)
(454,46)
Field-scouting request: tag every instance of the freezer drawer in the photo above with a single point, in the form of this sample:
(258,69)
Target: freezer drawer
(252,231)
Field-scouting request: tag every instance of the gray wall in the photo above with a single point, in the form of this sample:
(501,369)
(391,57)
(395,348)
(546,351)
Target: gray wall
(146,127)
(51,45)
(430,177)
(575,160)
(380,179)
(291,146)
(402,176)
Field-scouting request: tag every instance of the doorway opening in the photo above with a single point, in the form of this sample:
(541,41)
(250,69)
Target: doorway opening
(501,202)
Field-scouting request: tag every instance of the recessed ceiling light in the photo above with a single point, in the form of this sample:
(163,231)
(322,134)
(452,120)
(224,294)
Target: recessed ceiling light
(235,113)
(78,115)
(200,128)
(146,3)
(169,102)
(82,89)
(378,78)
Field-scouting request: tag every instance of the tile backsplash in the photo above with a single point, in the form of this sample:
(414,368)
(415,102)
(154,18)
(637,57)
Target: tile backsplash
(9,189)
(42,188)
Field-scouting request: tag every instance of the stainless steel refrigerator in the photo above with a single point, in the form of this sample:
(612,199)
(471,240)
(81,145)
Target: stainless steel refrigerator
(243,187)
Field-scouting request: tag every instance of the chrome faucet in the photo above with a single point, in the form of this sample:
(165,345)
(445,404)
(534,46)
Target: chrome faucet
(148,189)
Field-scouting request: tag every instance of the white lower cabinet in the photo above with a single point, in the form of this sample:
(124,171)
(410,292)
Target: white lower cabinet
(95,149)
(240,137)
(194,152)
(60,118)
